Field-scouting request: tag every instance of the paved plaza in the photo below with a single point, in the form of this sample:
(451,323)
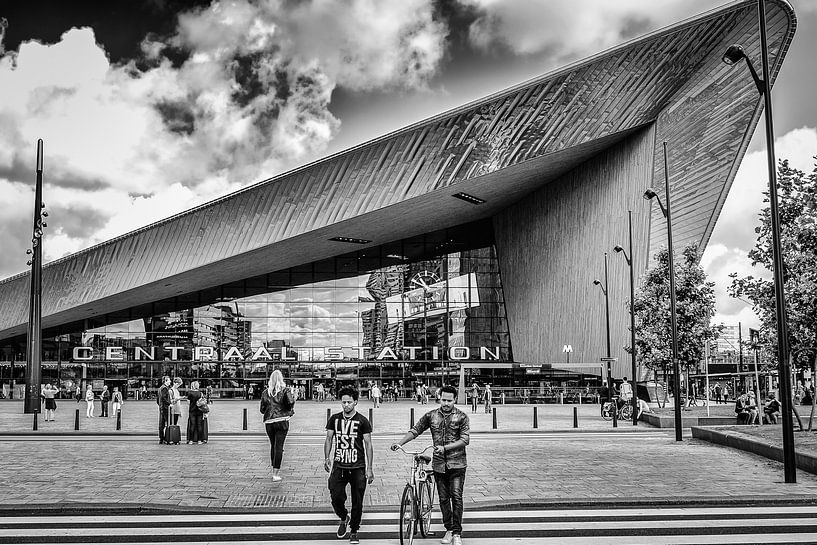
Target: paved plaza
(514,465)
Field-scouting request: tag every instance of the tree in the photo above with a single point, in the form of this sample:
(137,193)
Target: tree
(797,204)
(695,307)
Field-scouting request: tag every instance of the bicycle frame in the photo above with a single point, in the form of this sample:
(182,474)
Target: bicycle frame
(419,488)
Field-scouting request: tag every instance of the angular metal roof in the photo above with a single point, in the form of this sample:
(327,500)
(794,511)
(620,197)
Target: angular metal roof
(499,148)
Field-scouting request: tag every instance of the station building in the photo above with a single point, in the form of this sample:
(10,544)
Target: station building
(461,248)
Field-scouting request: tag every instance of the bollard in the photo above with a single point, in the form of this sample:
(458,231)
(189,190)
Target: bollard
(371,417)
(328,414)
(535,417)
(494,411)
(35,421)
(245,419)
(575,417)
(614,410)
(76,421)
(118,419)
(411,420)
(561,398)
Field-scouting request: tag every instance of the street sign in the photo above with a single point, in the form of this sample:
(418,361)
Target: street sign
(608,359)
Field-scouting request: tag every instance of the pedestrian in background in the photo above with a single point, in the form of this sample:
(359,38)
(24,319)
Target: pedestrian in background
(89,402)
(78,392)
(277,404)
(474,393)
(163,400)
(105,398)
(176,400)
(195,421)
(116,397)
(49,393)
(487,398)
(375,395)
(209,393)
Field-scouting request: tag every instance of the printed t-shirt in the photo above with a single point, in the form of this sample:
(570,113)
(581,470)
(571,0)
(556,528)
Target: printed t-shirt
(349,453)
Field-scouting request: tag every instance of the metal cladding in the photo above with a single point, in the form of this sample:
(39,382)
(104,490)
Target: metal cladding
(673,78)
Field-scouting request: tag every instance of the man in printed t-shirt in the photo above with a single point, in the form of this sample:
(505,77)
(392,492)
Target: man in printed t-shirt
(348,432)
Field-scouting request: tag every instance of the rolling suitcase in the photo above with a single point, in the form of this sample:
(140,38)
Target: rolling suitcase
(173,434)
(206,428)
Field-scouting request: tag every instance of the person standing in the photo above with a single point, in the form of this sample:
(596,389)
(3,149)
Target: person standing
(209,393)
(375,394)
(250,392)
(105,398)
(116,397)
(450,434)
(348,458)
(163,400)
(277,404)
(474,397)
(176,400)
(195,420)
(89,401)
(625,392)
(144,390)
(49,393)
(78,392)
(487,398)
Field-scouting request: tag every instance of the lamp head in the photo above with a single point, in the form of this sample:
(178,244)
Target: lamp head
(733,54)
(596,282)
(649,194)
(618,249)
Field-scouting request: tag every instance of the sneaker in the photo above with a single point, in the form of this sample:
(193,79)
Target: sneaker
(456,540)
(446,538)
(343,527)
(276,478)
(353,538)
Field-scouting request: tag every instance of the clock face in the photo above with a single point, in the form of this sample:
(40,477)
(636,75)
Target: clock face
(424,279)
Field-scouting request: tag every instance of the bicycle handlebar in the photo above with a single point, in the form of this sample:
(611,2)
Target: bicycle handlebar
(412,453)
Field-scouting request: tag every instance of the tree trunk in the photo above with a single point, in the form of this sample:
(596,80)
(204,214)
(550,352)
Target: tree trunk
(813,401)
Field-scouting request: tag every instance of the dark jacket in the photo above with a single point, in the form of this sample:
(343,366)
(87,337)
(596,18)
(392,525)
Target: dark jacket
(106,396)
(277,406)
(193,397)
(164,397)
(446,429)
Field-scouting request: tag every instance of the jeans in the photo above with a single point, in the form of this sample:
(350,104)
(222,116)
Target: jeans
(277,433)
(449,488)
(104,408)
(162,423)
(195,427)
(356,478)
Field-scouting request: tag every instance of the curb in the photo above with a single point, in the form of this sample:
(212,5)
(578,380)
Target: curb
(803,460)
(135,509)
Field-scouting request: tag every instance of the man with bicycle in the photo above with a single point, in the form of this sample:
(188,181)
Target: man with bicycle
(450,433)
(350,433)
(625,392)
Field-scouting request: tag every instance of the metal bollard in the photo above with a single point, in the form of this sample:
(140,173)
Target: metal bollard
(76,421)
(494,411)
(561,398)
(328,414)
(614,410)
(575,417)
(245,420)
(118,419)
(371,417)
(35,421)
(535,417)
(411,420)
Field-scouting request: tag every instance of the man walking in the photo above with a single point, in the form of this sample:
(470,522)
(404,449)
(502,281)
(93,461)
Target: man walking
(163,399)
(105,397)
(349,434)
(450,434)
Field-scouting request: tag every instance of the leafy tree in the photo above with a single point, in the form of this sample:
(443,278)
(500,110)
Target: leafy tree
(695,307)
(797,202)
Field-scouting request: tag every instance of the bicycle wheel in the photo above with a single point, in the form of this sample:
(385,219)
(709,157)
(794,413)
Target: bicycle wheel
(426,507)
(606,412)
(627,411)
(408,518)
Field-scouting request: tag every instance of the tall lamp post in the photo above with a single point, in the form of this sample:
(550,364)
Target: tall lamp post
(676,372)
(629,259)
(608,359)
(733,55)
(34,337)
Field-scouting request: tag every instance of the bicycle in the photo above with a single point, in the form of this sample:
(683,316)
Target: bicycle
(625,412)
(417,501)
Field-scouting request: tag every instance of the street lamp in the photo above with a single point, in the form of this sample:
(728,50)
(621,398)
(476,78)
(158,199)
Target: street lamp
(733,55)
(650,194)
(629,260)
(608,359)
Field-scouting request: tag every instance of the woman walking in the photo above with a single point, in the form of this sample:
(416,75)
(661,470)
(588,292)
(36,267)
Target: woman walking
(49,392)
(89,400)
(277,402)
(117,400)
(195,423)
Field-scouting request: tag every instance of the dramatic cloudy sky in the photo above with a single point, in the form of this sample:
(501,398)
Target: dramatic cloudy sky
(150,107)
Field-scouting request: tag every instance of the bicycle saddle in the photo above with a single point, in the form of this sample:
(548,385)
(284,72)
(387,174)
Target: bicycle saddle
(425,458)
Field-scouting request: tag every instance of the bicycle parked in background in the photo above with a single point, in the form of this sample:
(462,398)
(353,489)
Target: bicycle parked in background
(625,412)
(417,501)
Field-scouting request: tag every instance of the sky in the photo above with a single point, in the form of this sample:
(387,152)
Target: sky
(150,107)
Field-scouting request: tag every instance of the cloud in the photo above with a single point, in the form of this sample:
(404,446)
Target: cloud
(565,30)
(734,233)
(239,92)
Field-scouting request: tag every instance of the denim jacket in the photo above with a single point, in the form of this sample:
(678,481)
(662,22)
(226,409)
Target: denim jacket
(446,429)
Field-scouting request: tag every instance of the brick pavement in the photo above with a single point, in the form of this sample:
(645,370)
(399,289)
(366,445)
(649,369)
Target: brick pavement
(233,471)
